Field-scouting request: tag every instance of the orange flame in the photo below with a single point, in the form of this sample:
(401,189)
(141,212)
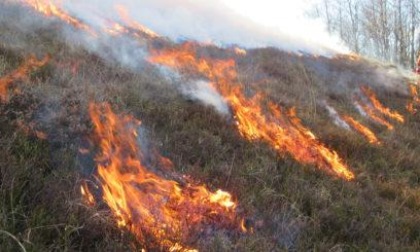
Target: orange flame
(370,112)
(87,195)
(50,9)
(365,131)
(415,102)
(131,27)
(380,107)
(350,57)
(240,51)
(125,16)
(150,206)
(283,131)
(116,29)
(21,73)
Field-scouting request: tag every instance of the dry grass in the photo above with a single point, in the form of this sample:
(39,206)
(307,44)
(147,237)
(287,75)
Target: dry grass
(292,207)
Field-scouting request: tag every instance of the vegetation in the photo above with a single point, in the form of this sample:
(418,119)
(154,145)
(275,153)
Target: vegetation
(383,29)
(290,206)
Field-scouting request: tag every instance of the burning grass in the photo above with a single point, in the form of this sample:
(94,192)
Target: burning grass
(289,207)
(155,209)
(51,9)
(21,73)
(380,107)
(413,105)
(368,111)
(362,129)
(283,131)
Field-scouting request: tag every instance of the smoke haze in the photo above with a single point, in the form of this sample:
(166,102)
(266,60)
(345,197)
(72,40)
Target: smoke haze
(220,22)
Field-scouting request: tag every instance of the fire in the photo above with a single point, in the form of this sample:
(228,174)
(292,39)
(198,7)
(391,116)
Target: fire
(115,29)
(365,131)
(415,102)
(124,15)
(87,195)
(350,57)
(380,107)
(50,9)
(368,111)
(240,51)
(21,73)
(160,212)
(281,130)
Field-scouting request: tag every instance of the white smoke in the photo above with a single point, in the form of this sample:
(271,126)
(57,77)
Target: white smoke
(336,117)
(290,19)
(360,109)
(205,21)
(203,91)
(200,90)
(221,22)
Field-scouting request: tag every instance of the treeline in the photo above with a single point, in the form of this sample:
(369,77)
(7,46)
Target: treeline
(385,29)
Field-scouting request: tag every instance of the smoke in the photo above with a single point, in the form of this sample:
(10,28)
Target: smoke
(336,117)
(203,91)
(360,109)
(290,20)
(221,22)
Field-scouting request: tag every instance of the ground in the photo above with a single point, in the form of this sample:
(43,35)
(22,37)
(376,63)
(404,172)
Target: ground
(289,205)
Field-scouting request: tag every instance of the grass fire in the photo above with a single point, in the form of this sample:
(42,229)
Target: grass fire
(125,126)
(153,208)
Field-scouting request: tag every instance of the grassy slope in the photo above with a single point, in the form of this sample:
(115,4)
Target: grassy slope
(292,206)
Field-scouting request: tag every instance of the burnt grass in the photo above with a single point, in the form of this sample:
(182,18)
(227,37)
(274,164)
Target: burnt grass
(290,206)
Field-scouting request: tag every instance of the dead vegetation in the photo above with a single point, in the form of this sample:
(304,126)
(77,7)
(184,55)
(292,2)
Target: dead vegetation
(290,206)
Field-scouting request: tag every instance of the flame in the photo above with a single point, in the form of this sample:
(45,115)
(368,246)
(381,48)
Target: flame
(21,73)
(113,28)
(150,206)
(124,15)
(116,29)
(131,27)
(240,51)
(380,107)
(350,57)
(283,131)
(87,195)
(50,9)
(368,111)
(415,102)
(365,131)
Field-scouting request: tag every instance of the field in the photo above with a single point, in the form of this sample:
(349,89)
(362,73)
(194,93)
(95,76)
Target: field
(288,205)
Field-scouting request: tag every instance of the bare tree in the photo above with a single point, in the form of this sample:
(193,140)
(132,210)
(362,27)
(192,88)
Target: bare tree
(385,29)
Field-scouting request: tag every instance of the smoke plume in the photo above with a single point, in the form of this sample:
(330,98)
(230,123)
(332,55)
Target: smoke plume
(220,22)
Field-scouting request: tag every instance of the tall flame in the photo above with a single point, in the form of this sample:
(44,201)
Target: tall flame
(152,207)
(282,130)
(380,107)
(415,102)
(362,129)
(21,73)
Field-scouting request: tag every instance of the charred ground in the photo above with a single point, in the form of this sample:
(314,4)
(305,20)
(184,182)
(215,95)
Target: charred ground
(290,206)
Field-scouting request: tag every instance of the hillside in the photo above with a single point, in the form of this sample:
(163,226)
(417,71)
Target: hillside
(272,128)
